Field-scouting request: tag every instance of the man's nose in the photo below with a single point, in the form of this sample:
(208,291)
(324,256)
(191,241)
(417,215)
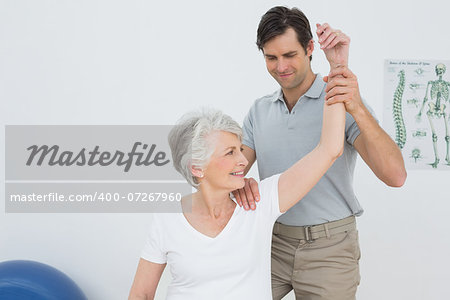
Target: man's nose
(282,66)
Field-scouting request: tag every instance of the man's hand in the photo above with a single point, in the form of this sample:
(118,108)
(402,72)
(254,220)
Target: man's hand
(248,195)
(343,87)
(335,44)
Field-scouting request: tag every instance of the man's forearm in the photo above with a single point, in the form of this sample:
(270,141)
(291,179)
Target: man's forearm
(379,151)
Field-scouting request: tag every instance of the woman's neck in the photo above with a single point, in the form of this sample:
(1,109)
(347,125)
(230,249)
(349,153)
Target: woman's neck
(207,201)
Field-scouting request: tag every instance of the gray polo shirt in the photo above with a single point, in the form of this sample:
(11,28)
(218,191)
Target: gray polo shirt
(280,139)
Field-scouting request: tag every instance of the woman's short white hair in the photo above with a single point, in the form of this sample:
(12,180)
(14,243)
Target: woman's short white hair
(189,143)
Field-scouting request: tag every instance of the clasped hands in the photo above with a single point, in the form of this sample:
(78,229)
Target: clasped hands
(342,84)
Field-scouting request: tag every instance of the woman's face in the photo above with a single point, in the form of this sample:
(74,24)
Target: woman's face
(225,169)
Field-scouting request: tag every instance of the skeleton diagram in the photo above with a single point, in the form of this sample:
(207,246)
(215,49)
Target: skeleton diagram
(439,93)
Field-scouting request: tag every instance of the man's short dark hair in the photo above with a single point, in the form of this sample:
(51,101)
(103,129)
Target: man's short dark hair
(277,20)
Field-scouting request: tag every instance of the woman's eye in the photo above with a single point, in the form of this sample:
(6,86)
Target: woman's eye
(230,153)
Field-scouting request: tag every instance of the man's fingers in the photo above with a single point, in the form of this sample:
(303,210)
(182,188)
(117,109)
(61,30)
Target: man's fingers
(244,199)
(336,91)
(337,99)
(336,81)
(341,70)
(255,189)
(325,78)
(237,197)
(249,195)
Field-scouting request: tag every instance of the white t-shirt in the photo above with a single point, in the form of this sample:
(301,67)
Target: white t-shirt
(233,265)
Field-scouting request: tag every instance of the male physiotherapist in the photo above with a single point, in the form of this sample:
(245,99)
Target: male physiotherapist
(315,248)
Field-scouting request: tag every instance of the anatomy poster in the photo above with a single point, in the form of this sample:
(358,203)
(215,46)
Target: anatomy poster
(417,109)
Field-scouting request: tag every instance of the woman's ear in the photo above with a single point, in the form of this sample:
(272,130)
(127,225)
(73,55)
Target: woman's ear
(197,172)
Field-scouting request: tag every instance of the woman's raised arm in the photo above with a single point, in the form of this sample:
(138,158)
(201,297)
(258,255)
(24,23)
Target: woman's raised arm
(299,179)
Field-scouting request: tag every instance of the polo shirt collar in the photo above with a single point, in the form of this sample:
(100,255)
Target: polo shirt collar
(313,92)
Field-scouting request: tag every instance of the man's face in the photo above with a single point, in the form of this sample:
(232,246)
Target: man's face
(286,60)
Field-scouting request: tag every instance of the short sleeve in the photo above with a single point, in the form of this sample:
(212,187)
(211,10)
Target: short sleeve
(352,130)
(247,129)
(153,248)
(269,195)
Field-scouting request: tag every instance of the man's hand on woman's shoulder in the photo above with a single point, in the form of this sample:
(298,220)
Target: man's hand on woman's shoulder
(248,195)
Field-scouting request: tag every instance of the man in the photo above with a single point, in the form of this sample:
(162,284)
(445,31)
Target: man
(315,248)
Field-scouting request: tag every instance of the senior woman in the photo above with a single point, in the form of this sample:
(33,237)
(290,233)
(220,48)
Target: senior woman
(216,249)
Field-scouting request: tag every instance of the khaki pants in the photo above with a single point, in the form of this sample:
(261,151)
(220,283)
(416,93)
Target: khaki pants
(326,268)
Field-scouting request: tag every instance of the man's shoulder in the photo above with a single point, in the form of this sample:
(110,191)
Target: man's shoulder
(266,100)
(269,97)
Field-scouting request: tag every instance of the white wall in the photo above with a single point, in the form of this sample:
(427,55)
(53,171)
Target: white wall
(148,62)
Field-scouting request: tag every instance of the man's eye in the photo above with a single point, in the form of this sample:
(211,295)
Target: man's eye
(230,153)
(270,58)
(242,149)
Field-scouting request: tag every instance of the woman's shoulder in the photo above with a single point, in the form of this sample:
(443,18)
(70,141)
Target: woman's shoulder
(268,185)
(268,191)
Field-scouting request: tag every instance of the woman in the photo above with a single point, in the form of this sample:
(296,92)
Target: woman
(216,249)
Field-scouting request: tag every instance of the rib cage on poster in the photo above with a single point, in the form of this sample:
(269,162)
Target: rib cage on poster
(416,111)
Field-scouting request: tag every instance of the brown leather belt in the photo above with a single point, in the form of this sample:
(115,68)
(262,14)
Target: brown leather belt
(311,233)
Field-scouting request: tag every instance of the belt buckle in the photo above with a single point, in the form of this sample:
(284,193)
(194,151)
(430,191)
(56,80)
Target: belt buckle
(308,234)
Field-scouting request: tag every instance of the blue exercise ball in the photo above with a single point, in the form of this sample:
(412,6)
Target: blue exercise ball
(31,280)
